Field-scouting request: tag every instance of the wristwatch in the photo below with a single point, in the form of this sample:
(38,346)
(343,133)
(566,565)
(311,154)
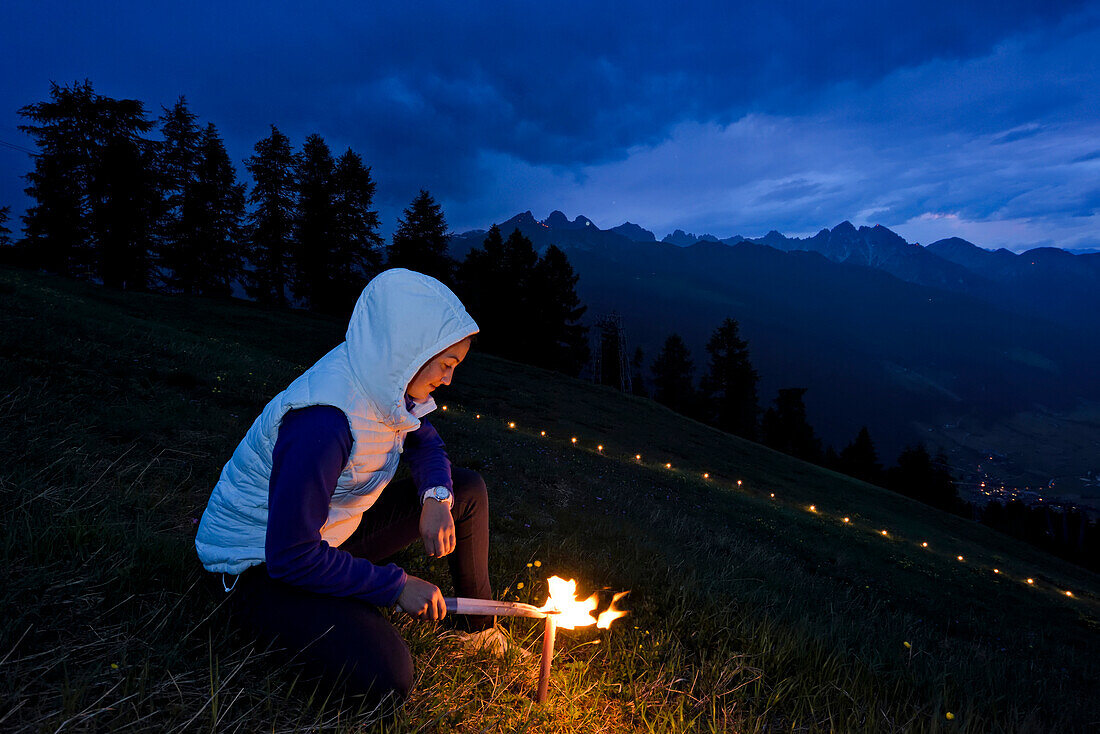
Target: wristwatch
(439,493)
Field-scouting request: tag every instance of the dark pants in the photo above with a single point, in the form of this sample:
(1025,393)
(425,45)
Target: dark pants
(348,639)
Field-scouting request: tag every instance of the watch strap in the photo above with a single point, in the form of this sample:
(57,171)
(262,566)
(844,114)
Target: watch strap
(440,493)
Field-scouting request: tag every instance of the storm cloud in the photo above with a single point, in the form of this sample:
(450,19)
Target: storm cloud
(718,117)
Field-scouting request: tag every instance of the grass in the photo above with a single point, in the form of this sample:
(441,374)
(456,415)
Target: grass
(748,613)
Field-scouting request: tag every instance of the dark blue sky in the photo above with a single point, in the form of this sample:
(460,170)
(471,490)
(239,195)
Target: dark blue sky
(935,118)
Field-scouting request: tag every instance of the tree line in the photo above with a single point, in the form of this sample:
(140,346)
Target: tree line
(726,398)
(133,212)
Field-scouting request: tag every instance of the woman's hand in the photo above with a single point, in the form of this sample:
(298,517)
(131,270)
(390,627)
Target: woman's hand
(420,598)
(437,528)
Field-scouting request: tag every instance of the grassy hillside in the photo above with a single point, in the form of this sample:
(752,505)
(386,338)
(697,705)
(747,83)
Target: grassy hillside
(749,612)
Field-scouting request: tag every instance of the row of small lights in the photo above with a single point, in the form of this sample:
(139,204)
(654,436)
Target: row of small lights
(924,544)
(812,508)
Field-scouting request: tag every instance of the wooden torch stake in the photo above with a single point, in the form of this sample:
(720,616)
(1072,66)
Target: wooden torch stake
(547,656)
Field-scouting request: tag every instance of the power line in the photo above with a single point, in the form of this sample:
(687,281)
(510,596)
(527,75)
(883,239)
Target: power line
(13,146)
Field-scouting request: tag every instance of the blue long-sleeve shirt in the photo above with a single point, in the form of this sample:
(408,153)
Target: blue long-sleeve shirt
(311,450)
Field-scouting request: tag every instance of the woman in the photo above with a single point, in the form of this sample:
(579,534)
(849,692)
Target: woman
(298,523)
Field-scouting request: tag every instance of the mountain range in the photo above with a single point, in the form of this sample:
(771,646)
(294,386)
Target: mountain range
(947,343)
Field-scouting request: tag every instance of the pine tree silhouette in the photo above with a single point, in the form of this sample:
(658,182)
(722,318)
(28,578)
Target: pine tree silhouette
(860,460)
(356,244)
(177,164)
(314,225)
(97,199)
(527,306)
(5,233)
(420,240)
(496,282)
(918,476)
(785,428)
(563,341)
(124,220)
(271,225)
(672,377)
(730,382)
(213,211)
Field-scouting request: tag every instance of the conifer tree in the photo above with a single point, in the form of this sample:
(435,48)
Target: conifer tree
(356,244)
(127,209)
(496,282)
(860,460)
(271,224)
(562,339)
(5,233)
(730,383)
(96,196)
(57,225)
(213,210)
(527,305)
(918,476)
(177,164)
(673,384)
(480,276)
(611,348)
(785,427)
(420,240)
(314,225)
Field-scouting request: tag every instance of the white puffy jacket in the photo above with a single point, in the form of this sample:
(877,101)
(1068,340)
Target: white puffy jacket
(402,320)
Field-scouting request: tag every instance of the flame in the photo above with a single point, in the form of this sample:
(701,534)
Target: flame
(571,613)
(610,614)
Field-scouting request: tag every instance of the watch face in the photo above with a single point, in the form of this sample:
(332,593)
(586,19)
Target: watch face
(441,493)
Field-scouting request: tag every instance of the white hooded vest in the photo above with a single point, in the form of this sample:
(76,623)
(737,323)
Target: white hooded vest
(402,320)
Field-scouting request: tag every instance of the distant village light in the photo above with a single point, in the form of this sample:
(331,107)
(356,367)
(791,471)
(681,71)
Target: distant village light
(637,457)
(813,508)
(574,439)
(960,558)
(884,533)
(599,447)
(444,407)
(847,519)
(542,433)
(706,476)
(1031,581)
(511,424)
(924,544)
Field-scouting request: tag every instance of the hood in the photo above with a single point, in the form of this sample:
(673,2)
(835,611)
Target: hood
(401,320)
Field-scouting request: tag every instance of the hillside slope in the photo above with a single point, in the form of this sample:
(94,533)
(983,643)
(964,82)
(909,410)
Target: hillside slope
(748,612)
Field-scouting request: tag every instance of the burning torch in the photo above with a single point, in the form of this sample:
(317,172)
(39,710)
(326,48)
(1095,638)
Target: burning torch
(562,609)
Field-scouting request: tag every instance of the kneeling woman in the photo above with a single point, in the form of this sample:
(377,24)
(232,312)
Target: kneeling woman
(298,523)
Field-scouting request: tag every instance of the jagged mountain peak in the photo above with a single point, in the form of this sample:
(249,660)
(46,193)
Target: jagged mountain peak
(680,238)
(558,220)
(775,239)
(634,232)
(523,219)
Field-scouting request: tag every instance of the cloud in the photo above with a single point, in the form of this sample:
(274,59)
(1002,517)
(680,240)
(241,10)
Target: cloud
(921,141)
(707,116)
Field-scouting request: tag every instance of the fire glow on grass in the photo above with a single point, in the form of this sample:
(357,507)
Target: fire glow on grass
(562,609)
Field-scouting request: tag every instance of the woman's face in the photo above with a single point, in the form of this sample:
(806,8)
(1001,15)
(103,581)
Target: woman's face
(437,371)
